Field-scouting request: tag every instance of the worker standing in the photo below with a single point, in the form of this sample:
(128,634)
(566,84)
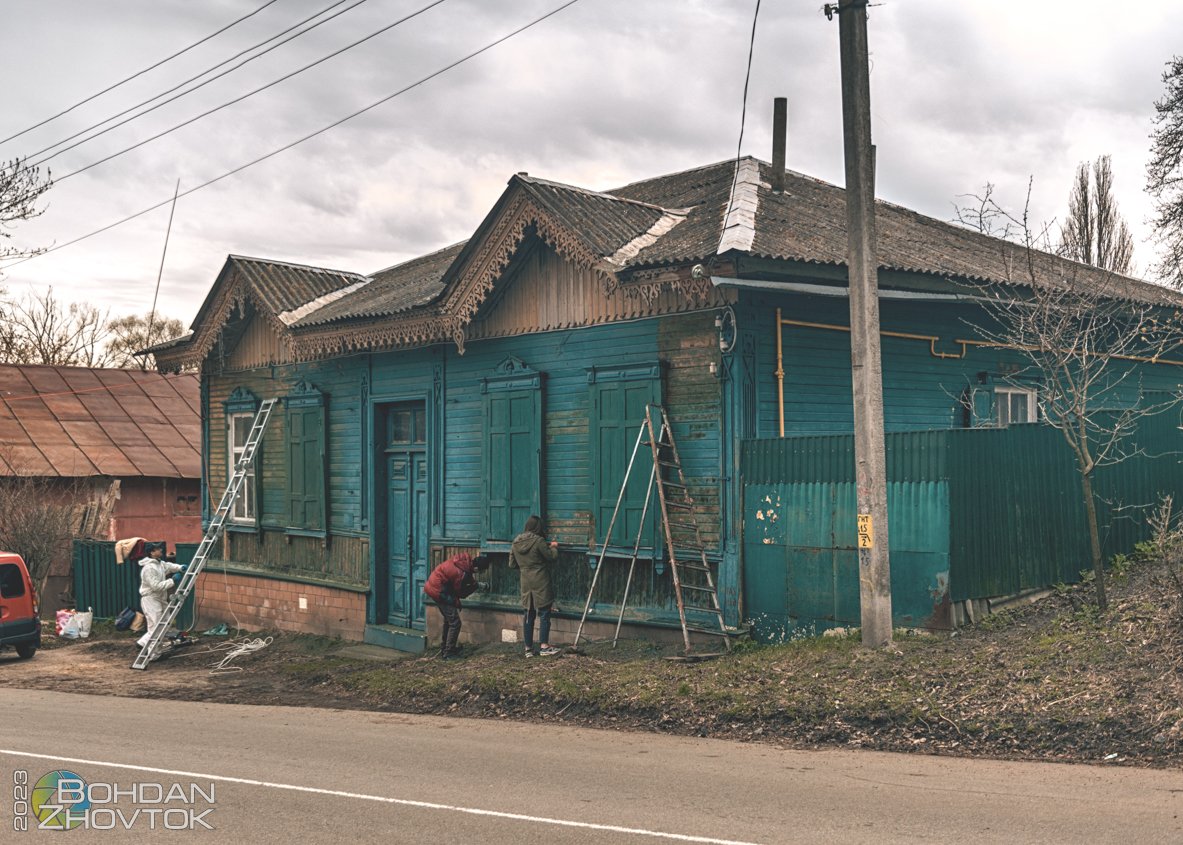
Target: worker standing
(155,582)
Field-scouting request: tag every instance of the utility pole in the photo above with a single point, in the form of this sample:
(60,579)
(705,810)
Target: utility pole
(866,366)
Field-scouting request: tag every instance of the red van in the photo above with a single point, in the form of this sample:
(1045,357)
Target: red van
(20,624)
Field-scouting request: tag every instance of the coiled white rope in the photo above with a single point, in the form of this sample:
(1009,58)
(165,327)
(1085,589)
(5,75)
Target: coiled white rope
(235,649)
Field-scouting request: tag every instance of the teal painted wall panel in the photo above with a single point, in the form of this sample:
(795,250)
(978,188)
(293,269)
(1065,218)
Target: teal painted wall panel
(801,561)
(920,390)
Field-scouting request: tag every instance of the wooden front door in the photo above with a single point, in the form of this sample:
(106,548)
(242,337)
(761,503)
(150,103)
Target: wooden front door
(406,514)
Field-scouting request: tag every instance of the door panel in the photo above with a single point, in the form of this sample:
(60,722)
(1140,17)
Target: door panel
(418,558)
(400,537)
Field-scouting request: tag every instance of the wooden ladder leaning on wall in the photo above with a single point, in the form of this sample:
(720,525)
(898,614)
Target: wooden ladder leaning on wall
(694,582)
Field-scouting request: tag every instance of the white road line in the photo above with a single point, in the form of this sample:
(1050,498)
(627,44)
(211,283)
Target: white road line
(426,805)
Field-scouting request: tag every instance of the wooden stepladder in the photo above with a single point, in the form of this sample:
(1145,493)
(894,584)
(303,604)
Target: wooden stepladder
(694,583)
(217,524)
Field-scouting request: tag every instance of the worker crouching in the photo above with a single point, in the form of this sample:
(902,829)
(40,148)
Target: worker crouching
(451,581)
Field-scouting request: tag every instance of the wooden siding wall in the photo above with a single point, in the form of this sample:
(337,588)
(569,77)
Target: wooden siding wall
(686,344)
(342,384)
(550,292)
(259,346)
(920,391)
(346,561)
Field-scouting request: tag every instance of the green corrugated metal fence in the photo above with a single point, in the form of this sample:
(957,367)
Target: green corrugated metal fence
(1012,518)
(108,587)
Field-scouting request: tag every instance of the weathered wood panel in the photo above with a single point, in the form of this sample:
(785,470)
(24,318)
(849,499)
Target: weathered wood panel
(347,560)
(548,292)
(259,346)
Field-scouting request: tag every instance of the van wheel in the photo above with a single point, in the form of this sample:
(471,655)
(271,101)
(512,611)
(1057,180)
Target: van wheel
(25,650)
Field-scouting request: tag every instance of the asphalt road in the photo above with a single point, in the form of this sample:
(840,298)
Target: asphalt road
(305,775)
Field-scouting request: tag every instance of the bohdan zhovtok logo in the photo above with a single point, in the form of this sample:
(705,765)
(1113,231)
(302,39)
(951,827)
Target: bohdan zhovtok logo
(49,801)
(63,800)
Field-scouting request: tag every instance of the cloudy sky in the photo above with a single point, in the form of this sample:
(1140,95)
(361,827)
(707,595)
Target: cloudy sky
(604,93)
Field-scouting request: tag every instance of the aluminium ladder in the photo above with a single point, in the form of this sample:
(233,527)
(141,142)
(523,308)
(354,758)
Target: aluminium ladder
(694,585)
(189,578)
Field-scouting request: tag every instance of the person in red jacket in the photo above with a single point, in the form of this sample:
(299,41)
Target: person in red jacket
(451,581)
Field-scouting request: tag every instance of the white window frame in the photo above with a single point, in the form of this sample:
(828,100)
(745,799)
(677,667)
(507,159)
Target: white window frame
(1002,404)
(243,512)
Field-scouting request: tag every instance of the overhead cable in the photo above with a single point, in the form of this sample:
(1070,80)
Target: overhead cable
(249,94)
(299,141)
(743,113)
(191,79)
(139,73)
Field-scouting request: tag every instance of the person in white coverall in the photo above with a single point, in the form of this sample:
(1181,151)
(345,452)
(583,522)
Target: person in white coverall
(155,582)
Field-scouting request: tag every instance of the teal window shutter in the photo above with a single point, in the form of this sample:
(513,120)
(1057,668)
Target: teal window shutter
(619,397)
(305,459)
(511,464)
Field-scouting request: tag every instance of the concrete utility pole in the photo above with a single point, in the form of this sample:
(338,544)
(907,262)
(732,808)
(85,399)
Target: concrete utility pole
(867,371)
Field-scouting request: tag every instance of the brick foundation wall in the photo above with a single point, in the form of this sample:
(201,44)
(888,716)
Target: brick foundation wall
(272,604)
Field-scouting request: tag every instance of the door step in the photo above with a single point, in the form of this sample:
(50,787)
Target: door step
(399,639)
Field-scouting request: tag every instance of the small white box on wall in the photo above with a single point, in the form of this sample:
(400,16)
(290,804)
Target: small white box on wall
(509,635)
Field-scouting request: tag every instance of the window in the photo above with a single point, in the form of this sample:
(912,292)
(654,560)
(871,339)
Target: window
(512,441)
(12,581)
(305,458)
(407,426)
(619,396)
(1014,405)
(240,408)
(244,506)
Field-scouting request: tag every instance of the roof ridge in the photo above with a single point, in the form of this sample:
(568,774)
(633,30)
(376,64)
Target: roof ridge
(579,189)
(422,257)
(311,267)
(726,161)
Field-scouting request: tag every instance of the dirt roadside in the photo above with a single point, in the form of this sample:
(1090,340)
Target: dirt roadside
(1053,681)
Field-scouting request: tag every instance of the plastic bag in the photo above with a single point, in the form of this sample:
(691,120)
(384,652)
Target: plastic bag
(62,619)
(84,619)
(67,624)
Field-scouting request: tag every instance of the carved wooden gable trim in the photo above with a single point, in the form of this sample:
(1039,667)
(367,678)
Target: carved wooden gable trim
(236,292)
(497,250)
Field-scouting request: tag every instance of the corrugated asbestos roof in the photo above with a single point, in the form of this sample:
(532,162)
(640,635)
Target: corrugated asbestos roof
(603,223)
(390,291)
(671,220)
(74,422)
(285,287)
(807,222)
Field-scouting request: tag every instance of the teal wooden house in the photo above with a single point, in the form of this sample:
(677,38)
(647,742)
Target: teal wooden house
(430,407)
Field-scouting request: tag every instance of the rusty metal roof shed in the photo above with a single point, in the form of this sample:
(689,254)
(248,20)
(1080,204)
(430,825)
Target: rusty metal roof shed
(75,422)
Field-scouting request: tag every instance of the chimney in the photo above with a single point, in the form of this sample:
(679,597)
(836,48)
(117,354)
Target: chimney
(780,128)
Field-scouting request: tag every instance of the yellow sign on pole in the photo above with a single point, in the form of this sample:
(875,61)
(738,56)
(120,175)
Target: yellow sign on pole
(866,531)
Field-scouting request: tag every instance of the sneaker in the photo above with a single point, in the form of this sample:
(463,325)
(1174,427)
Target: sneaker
(530,653)
(548,651)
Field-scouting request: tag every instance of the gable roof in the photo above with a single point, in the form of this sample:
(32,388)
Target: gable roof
(75,422)
(721,210)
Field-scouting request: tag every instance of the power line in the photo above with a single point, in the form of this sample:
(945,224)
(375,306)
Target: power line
(308,137)
(140,73)
(743,113)
(192,79)
(247,95)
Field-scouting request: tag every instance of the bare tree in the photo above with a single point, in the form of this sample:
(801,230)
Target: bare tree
(20,188)
(1095,232)
(38,519)
(43,330)
(135,332)
(1164,174)
(1080,332)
